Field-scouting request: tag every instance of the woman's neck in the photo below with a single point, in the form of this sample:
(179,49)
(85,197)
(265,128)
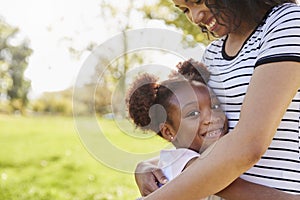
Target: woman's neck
(236,39)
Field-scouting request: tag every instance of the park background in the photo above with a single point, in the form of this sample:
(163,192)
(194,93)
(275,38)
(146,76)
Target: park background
(43,45)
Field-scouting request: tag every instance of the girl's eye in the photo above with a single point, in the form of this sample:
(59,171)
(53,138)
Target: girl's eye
(193,113)
(216,106)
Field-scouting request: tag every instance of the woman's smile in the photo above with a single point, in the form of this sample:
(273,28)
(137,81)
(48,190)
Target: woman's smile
(211,25)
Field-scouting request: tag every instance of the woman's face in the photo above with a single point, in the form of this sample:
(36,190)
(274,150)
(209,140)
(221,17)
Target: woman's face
(199,14)
(198,120)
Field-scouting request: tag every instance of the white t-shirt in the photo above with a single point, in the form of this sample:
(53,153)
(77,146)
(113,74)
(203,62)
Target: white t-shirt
(173,161)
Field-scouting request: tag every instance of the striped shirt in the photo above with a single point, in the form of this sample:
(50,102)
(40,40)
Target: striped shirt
(276,39)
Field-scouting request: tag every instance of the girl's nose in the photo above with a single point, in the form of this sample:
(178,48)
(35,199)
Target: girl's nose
(208,119)
(212,118)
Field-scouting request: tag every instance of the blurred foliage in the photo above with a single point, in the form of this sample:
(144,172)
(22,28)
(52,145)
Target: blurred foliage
(61,102)
(14,53)
(89,101)
(112,72)
(109,73)
(166,11)
(54,103)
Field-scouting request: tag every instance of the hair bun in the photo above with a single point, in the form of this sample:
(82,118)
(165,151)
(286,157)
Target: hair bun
(193,70)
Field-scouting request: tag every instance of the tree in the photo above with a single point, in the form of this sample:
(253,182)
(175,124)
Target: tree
(53,103)
(122,18)
(107,73)
(14,55)
(165,10)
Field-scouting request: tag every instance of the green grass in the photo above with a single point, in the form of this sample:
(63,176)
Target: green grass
(42,158)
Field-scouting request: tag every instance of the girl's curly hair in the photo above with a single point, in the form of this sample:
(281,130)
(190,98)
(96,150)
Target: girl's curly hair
(148,99)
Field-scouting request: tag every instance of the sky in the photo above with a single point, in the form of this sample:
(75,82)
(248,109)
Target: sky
(52,26)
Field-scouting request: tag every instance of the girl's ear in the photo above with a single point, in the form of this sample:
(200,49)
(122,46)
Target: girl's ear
(167,131)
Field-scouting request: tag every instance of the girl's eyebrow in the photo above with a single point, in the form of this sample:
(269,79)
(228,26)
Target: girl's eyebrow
(190,103)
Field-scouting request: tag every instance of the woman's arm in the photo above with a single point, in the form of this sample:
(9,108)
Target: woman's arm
(238,190)
(270,91)
(244,190)
(241,189)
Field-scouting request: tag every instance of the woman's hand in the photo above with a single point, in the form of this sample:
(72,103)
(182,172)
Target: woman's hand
(148,176)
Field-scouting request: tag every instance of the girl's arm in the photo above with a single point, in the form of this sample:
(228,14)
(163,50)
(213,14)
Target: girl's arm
(147,175)
(270,91)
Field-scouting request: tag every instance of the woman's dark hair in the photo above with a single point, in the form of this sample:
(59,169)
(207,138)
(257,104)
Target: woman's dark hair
(148,100)
(250,11)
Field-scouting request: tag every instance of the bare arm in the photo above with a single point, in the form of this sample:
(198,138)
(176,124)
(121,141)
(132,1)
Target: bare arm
(147,175)
(238,190)
(241,189)
(244,190)
(242,148)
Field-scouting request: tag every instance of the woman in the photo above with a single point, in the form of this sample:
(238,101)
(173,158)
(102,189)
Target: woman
(255,70)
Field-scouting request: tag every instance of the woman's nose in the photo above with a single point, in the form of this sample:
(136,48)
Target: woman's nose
(195,16)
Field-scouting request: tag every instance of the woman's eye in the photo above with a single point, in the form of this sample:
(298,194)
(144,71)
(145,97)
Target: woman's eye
(193,113)
(185,10)
(197,1)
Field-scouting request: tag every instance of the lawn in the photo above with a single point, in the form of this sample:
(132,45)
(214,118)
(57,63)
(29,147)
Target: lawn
(43,158)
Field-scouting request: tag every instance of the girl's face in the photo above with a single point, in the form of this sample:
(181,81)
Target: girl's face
(199,14)
(197,118)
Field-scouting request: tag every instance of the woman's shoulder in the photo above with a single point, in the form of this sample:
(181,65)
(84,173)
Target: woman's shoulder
(286,10)
(285,7)
(282,17)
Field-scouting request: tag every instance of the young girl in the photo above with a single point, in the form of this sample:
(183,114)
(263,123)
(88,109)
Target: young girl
(190,117)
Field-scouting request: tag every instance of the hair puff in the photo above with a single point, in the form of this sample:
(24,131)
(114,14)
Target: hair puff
(139,99)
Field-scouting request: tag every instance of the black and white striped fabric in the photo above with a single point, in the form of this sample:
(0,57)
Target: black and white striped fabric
(276,39)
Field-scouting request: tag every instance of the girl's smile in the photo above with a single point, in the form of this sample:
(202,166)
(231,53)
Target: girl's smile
(197,119)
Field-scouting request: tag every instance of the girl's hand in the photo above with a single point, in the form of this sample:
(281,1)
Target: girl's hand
(148,177)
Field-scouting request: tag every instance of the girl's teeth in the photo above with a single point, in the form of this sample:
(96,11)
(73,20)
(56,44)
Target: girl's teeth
(213,133)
